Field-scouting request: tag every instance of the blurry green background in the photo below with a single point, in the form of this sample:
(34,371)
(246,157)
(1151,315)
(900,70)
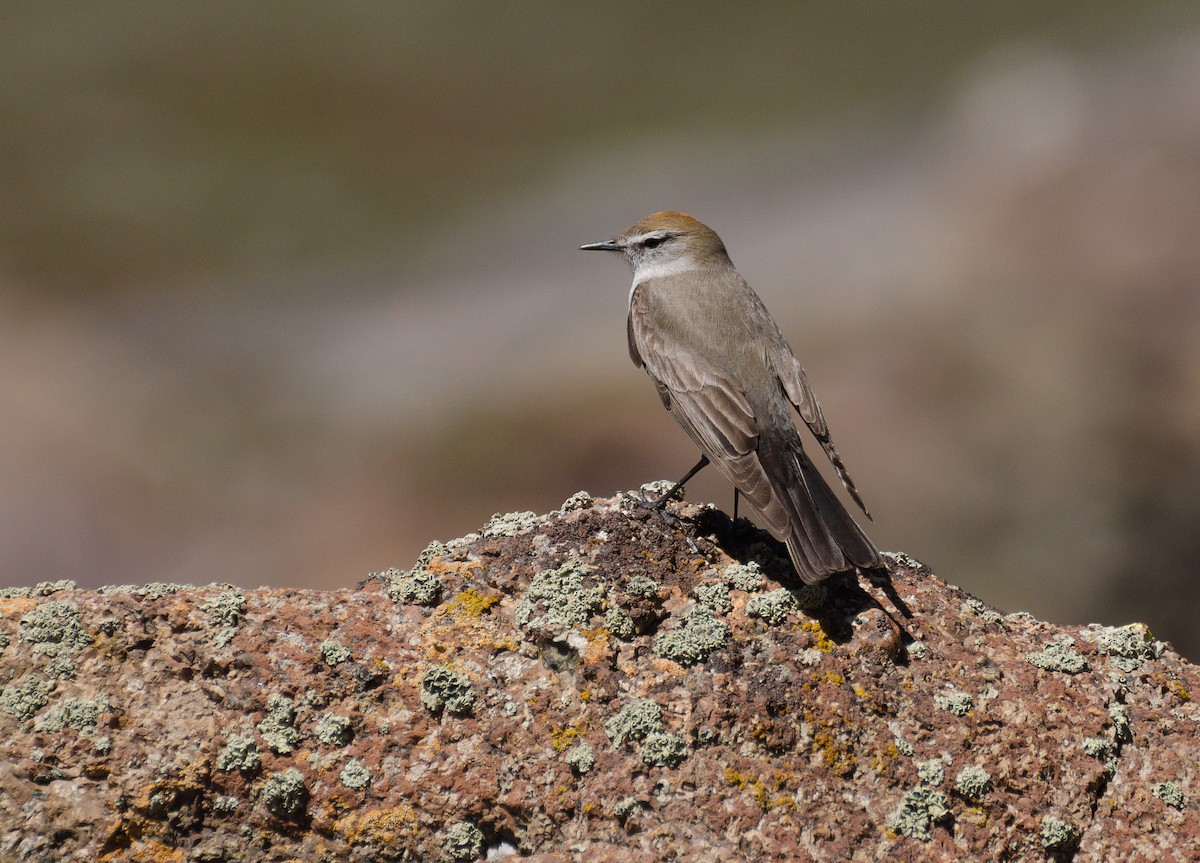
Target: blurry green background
(288,290)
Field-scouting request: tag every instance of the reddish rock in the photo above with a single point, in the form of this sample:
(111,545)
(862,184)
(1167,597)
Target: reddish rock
(514,716)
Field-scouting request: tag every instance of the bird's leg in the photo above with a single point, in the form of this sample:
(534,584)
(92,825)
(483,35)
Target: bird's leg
(735,503)
(662,501)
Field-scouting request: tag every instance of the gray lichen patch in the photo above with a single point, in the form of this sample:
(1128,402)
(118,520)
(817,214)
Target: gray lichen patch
(918,811)
(442,687)
(642,586)
(1128,647)
(418,585)
(715,596)
(226,608)
(973,782)
(278,729)
(1059,656)
(26,697)
(239,753)
(1169,793)
(511,523)
(662,749)
(1058,834)
(354,775)
(42,588)
(619,623)
(577,501)
(1122,730)
(931,772)
(334,652)
(581,758)
(955,702)
(285,793)
(635,721)
(698,635)
(774,607)
(55,629)
(333,730)
(462,842)
(76,713)
(747,577)
(560,599)
(981,610)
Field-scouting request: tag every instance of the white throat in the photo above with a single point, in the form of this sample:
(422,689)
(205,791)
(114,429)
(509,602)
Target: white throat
(660,270)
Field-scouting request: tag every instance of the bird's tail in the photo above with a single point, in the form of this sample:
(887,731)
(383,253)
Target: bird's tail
(824,538)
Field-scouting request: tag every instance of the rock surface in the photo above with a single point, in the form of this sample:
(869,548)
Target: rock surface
(592,684)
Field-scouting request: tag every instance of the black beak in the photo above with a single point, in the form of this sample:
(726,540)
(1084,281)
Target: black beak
(606,246)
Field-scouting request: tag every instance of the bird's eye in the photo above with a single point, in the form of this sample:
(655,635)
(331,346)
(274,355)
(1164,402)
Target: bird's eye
(653,242)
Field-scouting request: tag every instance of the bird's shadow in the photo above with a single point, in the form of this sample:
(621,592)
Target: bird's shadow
(845,597)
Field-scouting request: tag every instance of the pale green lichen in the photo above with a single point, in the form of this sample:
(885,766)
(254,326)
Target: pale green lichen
(746,577)
(102,744)
(26,697)
(1059,656)
(55,629)
(462,842)
(918,811)
(239,753)
(581,758)
(903,747)
(510,523)
(973,782)
(1102,750)
(1122,731)
(656,488)
(981,610)
(225,609)
(224,804)
(619,623)
(579,500)
(285,793)
(697,636)
(414,587)
(773,607)
(917,650)
(77,713)
(278,729)
(662,749)
(42,588)
(1058,834)
(442,687)
(715,596)
(1128,647)
(931,772)
(417,586)
(1169,793)
(955,702)
(334,652)
(642,586)
(333,730)
(560,598)
(636,720)
(354,775)
(626,806)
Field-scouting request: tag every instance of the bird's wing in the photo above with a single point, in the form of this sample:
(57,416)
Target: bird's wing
(795,384)
(715,414)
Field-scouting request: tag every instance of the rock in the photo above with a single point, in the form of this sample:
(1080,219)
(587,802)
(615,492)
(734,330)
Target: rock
(212,724)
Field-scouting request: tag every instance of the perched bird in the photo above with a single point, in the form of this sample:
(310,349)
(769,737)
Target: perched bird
(725,372)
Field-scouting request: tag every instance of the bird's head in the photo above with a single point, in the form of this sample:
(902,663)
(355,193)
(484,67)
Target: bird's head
(666,243)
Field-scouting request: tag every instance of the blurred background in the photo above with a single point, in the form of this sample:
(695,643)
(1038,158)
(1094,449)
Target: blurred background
(288,290)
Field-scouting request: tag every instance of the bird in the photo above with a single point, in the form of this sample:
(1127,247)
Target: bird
(724,370)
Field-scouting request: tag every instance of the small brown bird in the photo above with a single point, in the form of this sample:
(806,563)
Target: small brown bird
(725,372)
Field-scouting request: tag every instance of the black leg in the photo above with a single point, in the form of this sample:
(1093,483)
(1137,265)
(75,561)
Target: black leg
(662,501)
(735,503)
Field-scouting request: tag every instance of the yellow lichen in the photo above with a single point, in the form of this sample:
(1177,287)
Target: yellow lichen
(383,827)
(564,738)
(471,603)
(823,642)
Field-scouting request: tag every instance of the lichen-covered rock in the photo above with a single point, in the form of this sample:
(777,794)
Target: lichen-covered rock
(595,684)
